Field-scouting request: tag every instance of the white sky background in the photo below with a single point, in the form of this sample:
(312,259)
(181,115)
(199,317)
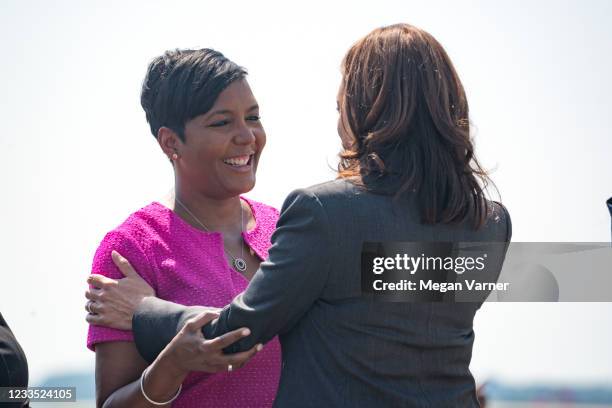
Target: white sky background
(78,156)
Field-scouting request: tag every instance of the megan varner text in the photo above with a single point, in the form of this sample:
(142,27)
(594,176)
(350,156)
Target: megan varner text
(470,285)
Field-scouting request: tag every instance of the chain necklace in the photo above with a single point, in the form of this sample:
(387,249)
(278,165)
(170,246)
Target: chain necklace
(238,263)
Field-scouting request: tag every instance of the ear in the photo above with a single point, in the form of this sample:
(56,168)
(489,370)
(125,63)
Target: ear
(169,141)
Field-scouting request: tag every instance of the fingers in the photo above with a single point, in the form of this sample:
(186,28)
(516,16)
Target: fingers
(236,361)
(239,359)
(94,319)
(216,368)
(195,324)
(123,264)
(100,281)
(97,320)
(92,307)
(93,294)
(225,340)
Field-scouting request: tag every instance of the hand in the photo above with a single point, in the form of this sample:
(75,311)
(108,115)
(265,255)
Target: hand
(190,351)
(112,302)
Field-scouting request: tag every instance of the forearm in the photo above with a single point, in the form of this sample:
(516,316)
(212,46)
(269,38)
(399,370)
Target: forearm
(161,384)
(262,318)
(157,321)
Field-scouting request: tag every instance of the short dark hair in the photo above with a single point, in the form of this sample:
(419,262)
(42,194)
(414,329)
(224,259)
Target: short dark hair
(182,84)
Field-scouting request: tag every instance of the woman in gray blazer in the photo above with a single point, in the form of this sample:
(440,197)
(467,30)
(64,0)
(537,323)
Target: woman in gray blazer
(407,173)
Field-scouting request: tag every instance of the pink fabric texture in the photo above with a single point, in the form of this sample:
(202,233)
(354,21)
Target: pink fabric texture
(188,266)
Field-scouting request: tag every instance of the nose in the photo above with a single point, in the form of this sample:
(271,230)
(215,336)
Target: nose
(244,134)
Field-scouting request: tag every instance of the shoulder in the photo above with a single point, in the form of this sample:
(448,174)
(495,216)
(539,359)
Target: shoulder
(266,218)
(322,193)
(315,202)
(133,239)
(338,188)
(336,198)
(498,211)
(263,213)
(498,224)
(498,217)
(152,218)
(142,225)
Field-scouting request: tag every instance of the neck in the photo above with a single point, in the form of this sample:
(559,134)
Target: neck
(222,215)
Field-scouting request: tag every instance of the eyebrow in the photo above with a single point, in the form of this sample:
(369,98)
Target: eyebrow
(227,111)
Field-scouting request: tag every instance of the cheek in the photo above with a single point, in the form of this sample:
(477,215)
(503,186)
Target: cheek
(203,160)
(260,137)
(212,146)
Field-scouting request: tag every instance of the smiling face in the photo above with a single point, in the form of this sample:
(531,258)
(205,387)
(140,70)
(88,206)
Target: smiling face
(221,151)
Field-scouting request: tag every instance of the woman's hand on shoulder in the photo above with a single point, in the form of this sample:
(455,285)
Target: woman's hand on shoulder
(111,302)
(190,351)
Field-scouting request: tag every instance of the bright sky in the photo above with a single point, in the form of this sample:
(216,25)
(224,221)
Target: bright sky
(78,156)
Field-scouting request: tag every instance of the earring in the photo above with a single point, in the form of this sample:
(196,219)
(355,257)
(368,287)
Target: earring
(174,156)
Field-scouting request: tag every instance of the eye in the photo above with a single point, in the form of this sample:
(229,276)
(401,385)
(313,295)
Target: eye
(254,118)
(219,123)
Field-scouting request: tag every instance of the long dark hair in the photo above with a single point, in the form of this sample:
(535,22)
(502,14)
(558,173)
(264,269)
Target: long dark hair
(404,120)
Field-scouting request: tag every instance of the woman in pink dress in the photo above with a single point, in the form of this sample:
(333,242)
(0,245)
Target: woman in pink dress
(200,246)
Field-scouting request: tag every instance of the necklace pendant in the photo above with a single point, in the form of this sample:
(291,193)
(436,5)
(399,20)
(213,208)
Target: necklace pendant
(240,265)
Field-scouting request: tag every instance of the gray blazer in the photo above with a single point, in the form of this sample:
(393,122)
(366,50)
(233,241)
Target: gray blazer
(341,349)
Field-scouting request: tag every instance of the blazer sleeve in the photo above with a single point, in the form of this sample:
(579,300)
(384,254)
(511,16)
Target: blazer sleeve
(280,293)
(157,321)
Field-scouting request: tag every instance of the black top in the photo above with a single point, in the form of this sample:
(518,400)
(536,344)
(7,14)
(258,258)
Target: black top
(339,348)
(13,363)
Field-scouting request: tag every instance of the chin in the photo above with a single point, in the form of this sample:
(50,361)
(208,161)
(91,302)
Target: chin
(242,188)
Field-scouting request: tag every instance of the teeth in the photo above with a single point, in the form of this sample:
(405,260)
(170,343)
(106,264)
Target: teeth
(237,161)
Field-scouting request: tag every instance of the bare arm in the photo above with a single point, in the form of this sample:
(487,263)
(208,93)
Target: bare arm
(119,365)
(118,370)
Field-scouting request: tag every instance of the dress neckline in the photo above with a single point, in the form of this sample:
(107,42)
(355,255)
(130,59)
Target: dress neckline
(245,234)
